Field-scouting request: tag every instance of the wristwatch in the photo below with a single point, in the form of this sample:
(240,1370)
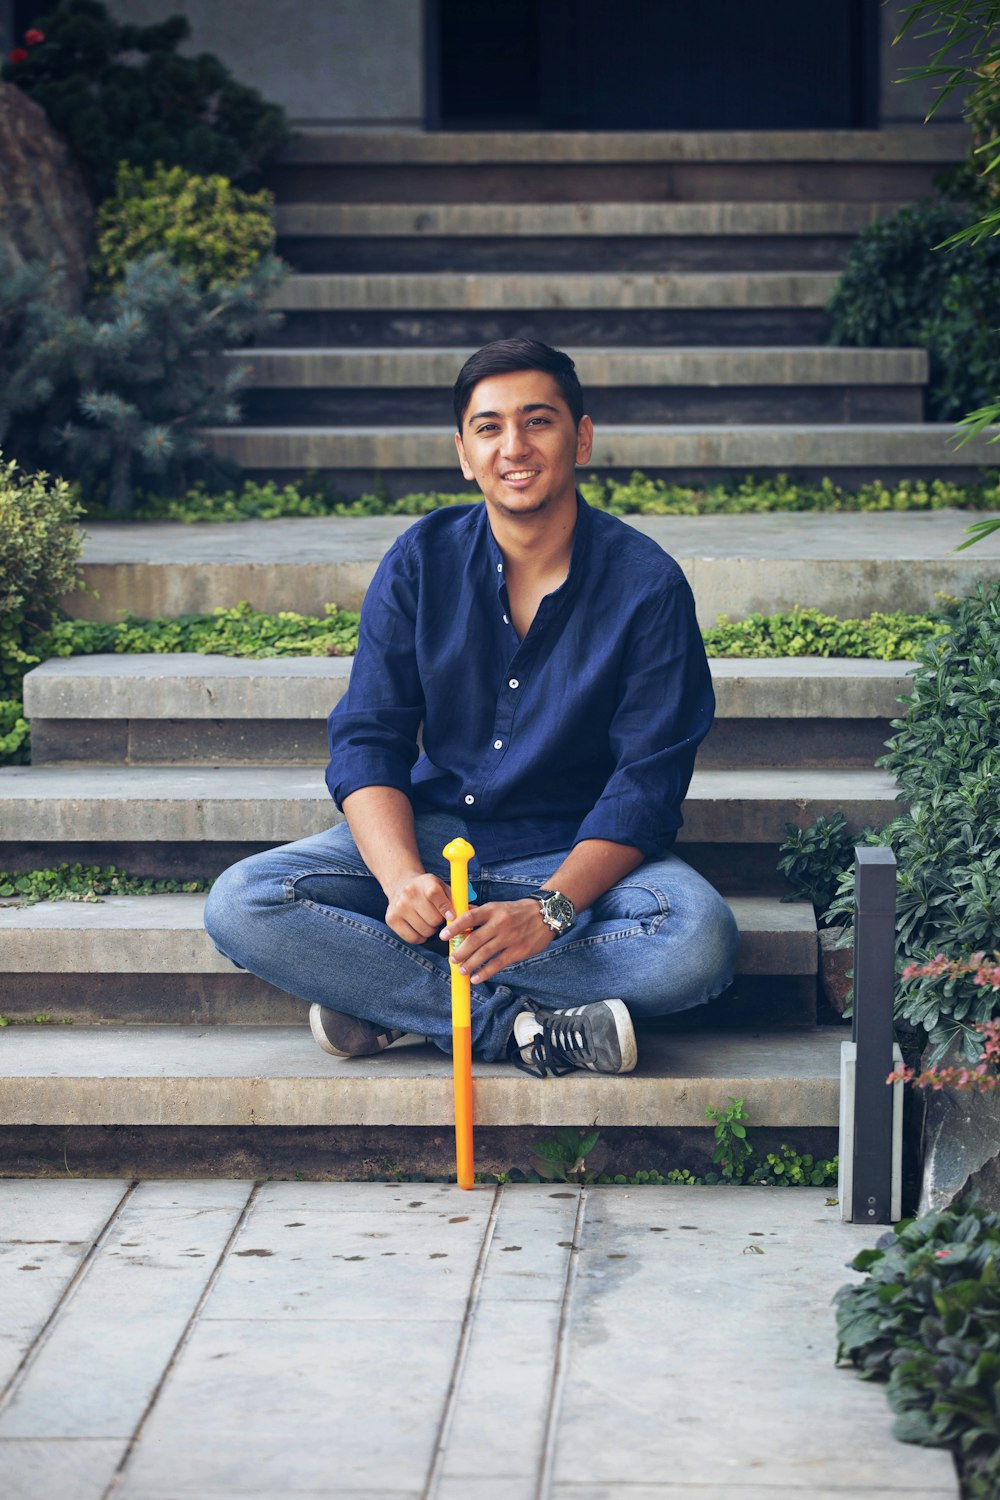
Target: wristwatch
(558,911)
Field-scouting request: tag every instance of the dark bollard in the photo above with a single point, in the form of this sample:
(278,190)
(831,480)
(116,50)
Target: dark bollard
(871,1114)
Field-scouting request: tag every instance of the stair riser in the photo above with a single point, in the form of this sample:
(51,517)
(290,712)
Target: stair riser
(352,1152)
(643,404)
(768,1000)
(736,587)
(750,743)
(561,327)
(750,252)
(623,182)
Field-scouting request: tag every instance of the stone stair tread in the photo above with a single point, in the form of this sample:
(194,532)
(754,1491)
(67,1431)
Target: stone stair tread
(472,291)
(809,536)
(187,685)
(54,804)
(934,142)
(580,220)
(164,934)
(788,446)
(191,1076)
(777,364)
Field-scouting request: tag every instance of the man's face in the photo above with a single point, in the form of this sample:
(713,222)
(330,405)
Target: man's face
(520,444)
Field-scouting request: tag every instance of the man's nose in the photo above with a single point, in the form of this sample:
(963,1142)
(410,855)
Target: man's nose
(513,440)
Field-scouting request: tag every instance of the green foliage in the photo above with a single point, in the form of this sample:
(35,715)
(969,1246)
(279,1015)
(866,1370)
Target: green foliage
(787,1168)
(812,859)
(84,883)
(927,1321)
(901,287)
(205,225)
(752,494)
(235,630)
(122,92)
(807,632)
(562,1157)
(733,1152)
(32,338)
(945,755)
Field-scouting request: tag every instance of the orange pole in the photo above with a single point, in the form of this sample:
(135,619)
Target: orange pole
(458,853)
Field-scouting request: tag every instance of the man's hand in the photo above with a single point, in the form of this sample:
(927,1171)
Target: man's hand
(496,935)
(418,906)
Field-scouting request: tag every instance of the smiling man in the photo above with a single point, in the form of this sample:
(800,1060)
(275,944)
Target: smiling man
(551,657)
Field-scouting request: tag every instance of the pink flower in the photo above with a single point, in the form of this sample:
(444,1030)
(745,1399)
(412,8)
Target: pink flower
(941,1254)
(34,36)
(18,55)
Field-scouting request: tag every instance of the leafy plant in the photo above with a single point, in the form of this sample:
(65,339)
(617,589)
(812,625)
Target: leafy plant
(732,1149)
(85,883)
(562,1157)
(787,1167)
(952,999)
(927,1321)
(813,858)
(122,92)
(983,1077)
(204,225)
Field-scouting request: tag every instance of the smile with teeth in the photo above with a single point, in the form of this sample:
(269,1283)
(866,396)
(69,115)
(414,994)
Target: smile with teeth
(521,474)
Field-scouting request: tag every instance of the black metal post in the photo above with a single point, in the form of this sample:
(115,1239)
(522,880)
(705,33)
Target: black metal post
(874,982)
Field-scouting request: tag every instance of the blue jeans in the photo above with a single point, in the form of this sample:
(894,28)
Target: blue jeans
(309,918)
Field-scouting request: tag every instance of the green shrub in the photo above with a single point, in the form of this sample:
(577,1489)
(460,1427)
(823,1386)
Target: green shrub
(40,545)
(898,290)
(812,859)
(927,1321)
(35,372)
(122,92)
(213,230)
(807,632)
(85,883)
(15,734)
(945,755)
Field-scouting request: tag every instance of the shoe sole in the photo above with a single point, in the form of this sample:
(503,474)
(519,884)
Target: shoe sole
(626,1035)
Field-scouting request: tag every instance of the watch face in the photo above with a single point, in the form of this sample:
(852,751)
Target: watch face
(558,911)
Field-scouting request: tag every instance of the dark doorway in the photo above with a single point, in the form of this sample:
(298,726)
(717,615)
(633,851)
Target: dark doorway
(653,64)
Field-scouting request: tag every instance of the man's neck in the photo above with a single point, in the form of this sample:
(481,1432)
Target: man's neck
(539,544)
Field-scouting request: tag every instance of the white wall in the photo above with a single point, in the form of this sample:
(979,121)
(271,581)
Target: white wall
(328,62)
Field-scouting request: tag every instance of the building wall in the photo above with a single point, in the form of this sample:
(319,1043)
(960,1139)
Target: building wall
(361,62)
(329,62)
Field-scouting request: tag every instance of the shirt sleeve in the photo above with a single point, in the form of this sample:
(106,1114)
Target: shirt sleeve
(372,731)
(665,709)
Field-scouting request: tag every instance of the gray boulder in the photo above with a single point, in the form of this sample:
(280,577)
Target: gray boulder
(961,1146)
(45,210)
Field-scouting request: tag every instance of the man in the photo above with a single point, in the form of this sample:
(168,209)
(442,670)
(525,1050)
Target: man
(551,655)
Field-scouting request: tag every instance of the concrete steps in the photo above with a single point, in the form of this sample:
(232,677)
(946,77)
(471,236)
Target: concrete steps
(844,564)
(148,960)
(345,386)
(275,1076)
(186,710)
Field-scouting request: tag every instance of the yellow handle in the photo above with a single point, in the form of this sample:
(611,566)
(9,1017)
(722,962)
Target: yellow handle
(458,853)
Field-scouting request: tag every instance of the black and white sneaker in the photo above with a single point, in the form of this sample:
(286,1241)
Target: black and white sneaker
(347,1036)
(599,1036)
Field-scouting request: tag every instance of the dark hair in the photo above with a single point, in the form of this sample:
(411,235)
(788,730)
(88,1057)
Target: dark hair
(504,357)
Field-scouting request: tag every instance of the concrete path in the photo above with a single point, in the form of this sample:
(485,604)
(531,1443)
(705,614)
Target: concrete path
(172,1340)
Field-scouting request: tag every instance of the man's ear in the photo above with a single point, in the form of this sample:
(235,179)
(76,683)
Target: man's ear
(466,466)
(584,440)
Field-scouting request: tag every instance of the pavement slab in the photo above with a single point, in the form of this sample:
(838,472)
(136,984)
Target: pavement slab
(571,1344)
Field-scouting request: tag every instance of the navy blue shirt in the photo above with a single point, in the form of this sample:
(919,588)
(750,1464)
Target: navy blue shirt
(585,729)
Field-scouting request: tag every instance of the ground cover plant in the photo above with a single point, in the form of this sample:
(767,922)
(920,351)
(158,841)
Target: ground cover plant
(927,1322)
(84,883)
(639,495)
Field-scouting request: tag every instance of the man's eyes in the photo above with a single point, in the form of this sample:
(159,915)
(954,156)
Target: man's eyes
(489,427)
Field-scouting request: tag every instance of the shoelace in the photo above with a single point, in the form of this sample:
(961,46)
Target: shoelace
(557,1049)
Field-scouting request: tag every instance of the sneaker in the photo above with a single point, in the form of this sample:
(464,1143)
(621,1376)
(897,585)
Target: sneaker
(598,1036)
(347,1036)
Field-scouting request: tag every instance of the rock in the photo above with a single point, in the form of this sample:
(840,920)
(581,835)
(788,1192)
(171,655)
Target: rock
(45,210)
(961,1146)
(836,967)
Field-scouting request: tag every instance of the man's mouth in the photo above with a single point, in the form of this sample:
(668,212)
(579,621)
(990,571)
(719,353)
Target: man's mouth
(515,475)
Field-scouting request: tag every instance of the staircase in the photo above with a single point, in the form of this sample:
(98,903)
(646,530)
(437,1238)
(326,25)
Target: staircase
(687,275)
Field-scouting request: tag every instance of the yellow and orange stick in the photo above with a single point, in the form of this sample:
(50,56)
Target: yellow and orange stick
(458,853)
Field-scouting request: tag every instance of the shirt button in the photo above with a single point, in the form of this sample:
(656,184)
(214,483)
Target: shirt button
(498,744)
(506,619)
(513,683)
(499,567)
(470,799)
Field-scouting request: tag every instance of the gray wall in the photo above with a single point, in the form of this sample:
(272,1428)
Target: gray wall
(329,62)
(907,102)
(6,25)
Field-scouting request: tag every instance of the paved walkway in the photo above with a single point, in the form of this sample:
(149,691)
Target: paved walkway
(172,1340)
